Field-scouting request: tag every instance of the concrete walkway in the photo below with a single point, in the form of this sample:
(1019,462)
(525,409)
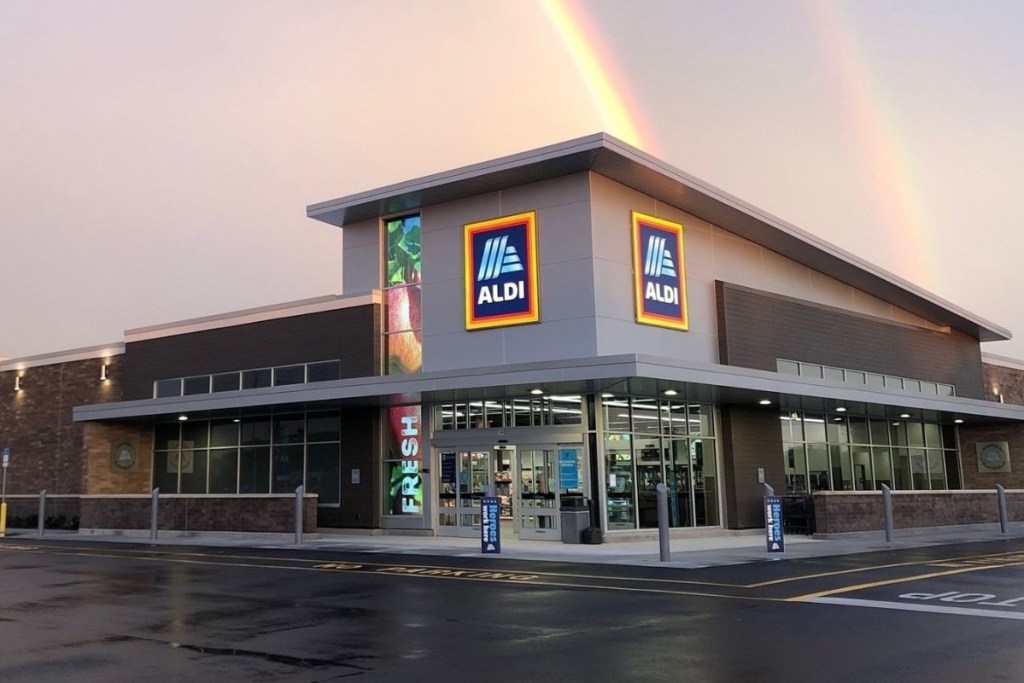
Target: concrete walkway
(686,553)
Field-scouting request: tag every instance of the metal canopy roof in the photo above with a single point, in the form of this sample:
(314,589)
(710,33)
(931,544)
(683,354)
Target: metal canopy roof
(622,374)
(614,159)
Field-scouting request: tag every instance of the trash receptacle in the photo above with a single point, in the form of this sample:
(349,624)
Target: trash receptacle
(575,517)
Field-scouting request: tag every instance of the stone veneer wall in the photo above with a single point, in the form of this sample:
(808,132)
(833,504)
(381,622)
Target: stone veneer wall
(35,423)
(847,511)
(254,513)
(101,475)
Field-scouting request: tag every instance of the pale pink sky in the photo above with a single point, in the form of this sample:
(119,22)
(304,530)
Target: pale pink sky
(156,158)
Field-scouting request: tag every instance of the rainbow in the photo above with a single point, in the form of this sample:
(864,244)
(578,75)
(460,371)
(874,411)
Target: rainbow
(608,89)
(887,162)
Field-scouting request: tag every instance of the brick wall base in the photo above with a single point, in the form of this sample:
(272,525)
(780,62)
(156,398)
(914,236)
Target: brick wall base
(254,514)
(837,512)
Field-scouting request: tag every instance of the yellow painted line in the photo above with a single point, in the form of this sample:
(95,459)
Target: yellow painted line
(168,554)
(1012,557)
(889,582)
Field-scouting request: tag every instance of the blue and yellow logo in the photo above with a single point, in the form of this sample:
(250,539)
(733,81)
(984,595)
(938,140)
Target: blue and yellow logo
(501,272)
(659,280)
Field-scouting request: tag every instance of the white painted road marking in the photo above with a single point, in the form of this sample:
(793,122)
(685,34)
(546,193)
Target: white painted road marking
(917,607)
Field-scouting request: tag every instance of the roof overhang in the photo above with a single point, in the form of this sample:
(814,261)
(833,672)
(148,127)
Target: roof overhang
(624,374)
(614,159)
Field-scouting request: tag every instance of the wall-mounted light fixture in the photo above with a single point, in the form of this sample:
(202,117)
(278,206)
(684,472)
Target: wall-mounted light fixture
(104,372)
(18,383)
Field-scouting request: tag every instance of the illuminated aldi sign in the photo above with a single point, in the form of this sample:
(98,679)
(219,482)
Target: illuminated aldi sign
(501,272)
(659,283)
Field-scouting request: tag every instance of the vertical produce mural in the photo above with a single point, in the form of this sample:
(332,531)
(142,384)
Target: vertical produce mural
(403,333)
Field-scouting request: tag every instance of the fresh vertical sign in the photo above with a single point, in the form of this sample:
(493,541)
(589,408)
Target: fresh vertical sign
(659,280)
(501,272)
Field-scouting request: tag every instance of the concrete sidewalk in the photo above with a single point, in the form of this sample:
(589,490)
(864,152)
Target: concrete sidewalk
(688,553)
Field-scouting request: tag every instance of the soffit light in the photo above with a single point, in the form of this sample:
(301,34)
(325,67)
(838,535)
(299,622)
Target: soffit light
(764,402)
(958,421)
(182,418)
(536,392)
(670,392)
(841,409)
(904,415)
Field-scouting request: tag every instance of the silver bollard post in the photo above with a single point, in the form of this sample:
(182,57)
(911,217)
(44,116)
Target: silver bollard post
(887,511)
(298,515)
(663,541)
(153,509)
(42,512)
(1004,524)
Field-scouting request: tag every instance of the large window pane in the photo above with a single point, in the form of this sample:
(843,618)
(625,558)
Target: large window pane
(257,379)
(228,381)
(255,432)
(919,469)
(616,414)
(936,471)
(193,471)
(168,387)
(792,427)
(289,374)
(195,434)
(814,428)
(863,477)
(859,431)
(901,468)
(197,385)
(796,468)
(705,481)
(620,488)
(323,427)
(817,465)
(323,475)
(166,436)
(254,470)
(289,429)
(165,471)
(223,433)
(837,430)
(880,432)
(224,470)
(287,468)
(645,416)
(883,467)
(324,372)
(842,474)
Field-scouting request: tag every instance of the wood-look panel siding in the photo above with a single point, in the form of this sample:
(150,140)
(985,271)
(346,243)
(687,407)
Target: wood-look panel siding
(756,328)
(349,334)
(751,439)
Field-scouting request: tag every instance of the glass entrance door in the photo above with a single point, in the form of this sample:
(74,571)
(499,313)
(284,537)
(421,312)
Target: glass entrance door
(536,509)
(526,480)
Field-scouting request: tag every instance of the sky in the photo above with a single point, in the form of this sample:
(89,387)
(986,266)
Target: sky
(157,157)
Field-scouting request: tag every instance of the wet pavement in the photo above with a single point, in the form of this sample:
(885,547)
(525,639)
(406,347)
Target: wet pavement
(398,608)
(685,553)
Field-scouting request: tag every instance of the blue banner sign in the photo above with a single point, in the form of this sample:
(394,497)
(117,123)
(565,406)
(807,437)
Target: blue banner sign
(773,524)
(501,272)
(568,469)
(490,529)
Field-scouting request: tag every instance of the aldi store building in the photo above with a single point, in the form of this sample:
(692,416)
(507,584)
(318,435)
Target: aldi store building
(581,321)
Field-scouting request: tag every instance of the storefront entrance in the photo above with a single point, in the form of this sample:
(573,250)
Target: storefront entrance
(529,481)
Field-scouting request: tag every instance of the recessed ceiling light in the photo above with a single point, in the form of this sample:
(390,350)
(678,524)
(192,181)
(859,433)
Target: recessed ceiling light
(841,409)
(536,392)
(670,392)
(764,402)
(958,421)
(607,395)
(182,418)
(904,415)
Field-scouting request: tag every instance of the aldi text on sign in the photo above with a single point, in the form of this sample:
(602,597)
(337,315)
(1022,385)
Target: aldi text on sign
(490,521)
(659,280)
(500,272)
(773,524)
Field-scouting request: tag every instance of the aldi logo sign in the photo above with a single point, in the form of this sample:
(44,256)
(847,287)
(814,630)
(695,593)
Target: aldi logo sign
(659,282)
(501,272)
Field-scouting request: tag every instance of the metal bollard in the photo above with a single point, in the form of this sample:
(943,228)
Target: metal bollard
(298,515)
(154,507)
(887,511)
(1004,522)
(663,542)
(42,512)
